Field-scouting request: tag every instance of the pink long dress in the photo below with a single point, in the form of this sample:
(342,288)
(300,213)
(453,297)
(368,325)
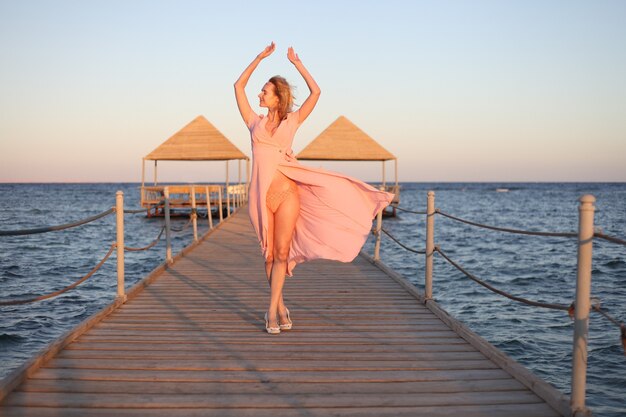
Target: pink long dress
(336,211)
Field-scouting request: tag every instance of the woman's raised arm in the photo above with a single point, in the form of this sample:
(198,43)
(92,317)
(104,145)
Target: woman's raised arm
(240,84)
(309,104)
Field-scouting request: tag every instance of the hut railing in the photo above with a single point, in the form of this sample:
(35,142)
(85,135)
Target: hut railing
(579,309)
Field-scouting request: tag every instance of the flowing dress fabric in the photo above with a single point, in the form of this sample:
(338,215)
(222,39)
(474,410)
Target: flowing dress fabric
(336,211)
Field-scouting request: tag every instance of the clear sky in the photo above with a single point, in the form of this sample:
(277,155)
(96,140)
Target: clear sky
(458,90)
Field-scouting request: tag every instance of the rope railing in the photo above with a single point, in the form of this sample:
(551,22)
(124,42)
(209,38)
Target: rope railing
(46,229)
(497,291)
(128,211)
(185,226)
(421,252)
(598,235)
(507,230)
(69,287)
(150,246)
(410,211)
(119,209)
(611,239)
(585,236)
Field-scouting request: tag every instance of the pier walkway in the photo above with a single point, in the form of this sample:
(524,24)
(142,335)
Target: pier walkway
(193,343)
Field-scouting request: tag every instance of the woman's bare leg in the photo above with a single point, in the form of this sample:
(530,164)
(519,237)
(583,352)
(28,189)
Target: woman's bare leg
(269,262)
(284,224)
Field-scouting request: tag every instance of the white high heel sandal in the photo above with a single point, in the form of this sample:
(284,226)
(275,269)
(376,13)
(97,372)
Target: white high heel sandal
(271,330)
(288,325)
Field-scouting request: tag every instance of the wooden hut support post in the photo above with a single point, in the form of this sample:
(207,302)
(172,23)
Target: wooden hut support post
(219,203)
(208,208)
(143,180)
(384,179)
(583,305)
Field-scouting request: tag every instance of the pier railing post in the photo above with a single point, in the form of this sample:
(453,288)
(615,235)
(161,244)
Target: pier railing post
(208,207)
(119,217)
(379,226)
(582,304)
(219,199)
(430,245)
(168,238)
(194,214)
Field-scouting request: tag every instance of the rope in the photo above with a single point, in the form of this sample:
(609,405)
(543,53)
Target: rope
(502,229)
(69,287)
(612,239)
(151,245)
(421,252)
(613,320)
(56,228)
(136,211)
(144,210)
(497,291)
(411,211)
(182,228)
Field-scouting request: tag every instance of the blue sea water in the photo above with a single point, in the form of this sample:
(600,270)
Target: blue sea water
(537,268)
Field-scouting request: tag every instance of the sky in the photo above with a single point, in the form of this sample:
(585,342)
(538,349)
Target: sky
(499,91)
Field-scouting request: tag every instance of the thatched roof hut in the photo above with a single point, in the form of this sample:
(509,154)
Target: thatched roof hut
(344,141)
(199,140)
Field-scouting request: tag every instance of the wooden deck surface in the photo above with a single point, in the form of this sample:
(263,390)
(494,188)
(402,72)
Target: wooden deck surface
(193,344)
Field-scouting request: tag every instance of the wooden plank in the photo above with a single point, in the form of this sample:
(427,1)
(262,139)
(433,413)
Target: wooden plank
(491,410)
(268,400)
(245,349)
(275,364)
(256,355)
(269,376)
(161,387)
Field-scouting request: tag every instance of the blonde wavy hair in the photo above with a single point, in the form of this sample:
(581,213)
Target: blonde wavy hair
(283,91)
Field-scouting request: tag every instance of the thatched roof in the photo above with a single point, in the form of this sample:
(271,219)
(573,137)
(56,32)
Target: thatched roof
(343,141)
(198,141)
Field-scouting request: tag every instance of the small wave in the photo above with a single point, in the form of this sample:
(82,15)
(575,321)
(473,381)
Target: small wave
(11,274)
(11,339)
(615,263)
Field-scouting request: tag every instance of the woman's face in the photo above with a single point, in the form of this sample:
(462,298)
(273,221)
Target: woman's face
(267,98)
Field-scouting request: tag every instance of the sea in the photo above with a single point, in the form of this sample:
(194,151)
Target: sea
(537,268)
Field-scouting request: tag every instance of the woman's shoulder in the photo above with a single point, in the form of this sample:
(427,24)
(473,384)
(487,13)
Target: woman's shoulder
(253,118)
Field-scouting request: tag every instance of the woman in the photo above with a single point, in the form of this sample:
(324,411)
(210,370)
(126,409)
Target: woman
(299,213)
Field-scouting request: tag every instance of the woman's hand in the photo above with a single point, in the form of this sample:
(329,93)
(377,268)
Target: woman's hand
(267,51)
(292,56)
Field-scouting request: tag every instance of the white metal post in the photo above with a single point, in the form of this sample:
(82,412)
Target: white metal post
(430,245)
(583,303)
(168,238)
(194,215)
(119,217)
(379,226)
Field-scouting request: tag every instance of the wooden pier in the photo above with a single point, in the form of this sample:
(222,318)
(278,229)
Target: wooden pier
(193,343)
